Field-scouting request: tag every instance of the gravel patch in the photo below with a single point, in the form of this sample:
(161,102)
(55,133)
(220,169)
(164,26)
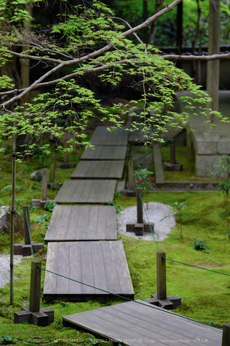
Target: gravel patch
(157,213)
(5,268)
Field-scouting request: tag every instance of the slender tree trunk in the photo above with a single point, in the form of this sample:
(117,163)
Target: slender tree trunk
(145,16)
(213,67)
(25,63)
(195,64)
(179,34)
(154,24)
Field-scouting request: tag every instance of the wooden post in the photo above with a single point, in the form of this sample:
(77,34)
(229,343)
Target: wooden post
(52,169)
(226,335)
(131,179)
(139,206)
(161,275)
(44,184)
(26,218)
(35,286)
(172,153)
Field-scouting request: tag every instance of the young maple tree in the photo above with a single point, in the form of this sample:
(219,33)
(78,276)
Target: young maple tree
(85,40)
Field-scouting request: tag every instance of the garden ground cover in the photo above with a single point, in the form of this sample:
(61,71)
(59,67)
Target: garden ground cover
(205,294)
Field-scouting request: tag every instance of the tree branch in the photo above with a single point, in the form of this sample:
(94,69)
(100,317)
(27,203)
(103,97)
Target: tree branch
(93,54)
(197,57)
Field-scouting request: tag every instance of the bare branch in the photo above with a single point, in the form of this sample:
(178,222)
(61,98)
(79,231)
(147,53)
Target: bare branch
(93,54)
(197,57)
(152,18)
(33,57)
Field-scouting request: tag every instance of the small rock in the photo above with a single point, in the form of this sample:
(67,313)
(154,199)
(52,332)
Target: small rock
(6,309)
(5,220)
(36,175)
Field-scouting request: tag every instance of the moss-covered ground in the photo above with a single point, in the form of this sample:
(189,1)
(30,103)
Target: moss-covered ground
(205,294)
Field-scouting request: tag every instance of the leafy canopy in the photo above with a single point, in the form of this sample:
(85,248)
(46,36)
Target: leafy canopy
(84,42)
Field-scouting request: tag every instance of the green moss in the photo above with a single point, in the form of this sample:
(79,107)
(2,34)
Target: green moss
(205,294)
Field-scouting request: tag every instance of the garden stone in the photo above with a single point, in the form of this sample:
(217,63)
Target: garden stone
(5,223)
(36,175)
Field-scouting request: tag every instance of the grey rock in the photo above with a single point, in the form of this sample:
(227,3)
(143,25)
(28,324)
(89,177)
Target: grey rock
(37,175)
(5,220)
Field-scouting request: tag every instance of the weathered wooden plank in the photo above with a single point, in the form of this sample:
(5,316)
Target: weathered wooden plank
(63,284)
(101,136)
(122,265)
(100,279)
(87,268)
(112,272)
(63,226)
(108,188)
(99,169)
(171,322)
(91,224)
(79,222)
(86,191)
(105,153)
(133,324)
(50,282)
(75,268)
(142,331)
(92,263)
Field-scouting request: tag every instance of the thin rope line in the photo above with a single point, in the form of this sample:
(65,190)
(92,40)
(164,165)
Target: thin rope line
(129,299)
(37,188)
(191,265)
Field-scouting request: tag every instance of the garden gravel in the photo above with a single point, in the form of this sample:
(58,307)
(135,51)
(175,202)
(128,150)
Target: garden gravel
(157,213)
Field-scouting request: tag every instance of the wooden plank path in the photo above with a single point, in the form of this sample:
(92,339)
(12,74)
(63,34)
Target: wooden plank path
(86,191)
(101,152)
(101,136)
(99,170)
(85,223)
(137,324)
(97,263)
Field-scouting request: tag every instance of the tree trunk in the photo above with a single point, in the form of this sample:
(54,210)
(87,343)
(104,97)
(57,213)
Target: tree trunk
(179,33)
(25,63)
(213,67)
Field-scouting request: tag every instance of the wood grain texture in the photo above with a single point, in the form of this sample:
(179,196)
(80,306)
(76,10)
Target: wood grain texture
(99,170)
(86,191)
(143,324)
(101,264)
(102,136)
(84,223)
(101,152)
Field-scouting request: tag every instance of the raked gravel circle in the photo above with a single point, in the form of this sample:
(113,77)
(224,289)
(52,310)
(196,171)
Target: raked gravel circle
(157,213)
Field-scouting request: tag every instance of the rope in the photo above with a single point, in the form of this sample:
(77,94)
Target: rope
(37,188)
(191,265)
(140,158)
(125,298)
(149,222)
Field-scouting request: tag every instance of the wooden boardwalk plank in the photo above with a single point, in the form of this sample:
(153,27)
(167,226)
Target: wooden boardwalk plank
(99,169)
(76,267)
(105,153)
(50,282)
(86,191)
(63,259)
(101,136)
(73,223)
(91,262)
(135,324)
